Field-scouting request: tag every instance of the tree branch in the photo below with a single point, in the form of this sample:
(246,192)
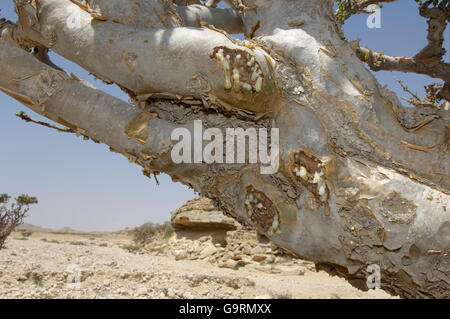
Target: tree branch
(139,14)
(437,23)
(26,118)
(379,61)
(142,136)
(212,3)
(429,60)
(146,14)
(13,34)
(84,109)
(348,8)
(226,19)
(183,61)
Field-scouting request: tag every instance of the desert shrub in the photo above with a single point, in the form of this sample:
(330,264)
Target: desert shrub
(12,216)
(37,279)
(283,295)
(169,231)
(26,233)
(132,248)
(53,241)
(78,243)
(145,232)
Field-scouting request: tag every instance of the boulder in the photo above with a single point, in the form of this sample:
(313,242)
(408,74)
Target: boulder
(208,251)
(230,263)
(259,258)
(180,254)
(289,271)
(200,213)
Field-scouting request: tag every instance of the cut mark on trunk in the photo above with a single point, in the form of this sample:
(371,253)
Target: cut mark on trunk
(295,22)
(243,74)
(364,231)
(398,209)
(310,171)
(48,83)
(198,84)
(130,60)
(49,34)
(262,211)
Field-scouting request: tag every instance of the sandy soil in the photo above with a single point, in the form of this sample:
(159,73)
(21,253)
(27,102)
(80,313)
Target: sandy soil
(111,266)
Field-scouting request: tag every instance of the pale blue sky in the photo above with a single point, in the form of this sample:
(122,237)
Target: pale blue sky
(84,186)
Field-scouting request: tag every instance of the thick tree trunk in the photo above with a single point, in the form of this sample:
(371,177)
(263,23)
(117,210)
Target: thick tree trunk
(361,181)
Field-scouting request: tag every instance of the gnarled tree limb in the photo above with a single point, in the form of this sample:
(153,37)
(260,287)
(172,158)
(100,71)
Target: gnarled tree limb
(150,61)
(348,8)
(379,61)
(429,60)
(141,136)
(438,15)
(226,19)
(138,13)
(148,14)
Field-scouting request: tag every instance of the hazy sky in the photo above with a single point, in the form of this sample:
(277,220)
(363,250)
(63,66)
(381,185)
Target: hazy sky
(84,186)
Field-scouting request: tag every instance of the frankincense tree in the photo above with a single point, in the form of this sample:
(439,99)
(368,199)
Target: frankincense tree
(362,179)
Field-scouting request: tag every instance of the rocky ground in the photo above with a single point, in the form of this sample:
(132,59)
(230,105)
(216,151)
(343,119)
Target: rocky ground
(201,254)
(113,266)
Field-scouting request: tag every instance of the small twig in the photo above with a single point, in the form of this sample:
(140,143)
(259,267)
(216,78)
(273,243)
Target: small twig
(406,89)
(156,179)
(26,118)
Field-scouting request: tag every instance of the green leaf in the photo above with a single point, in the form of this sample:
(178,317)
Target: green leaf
(4,198)
(26,200)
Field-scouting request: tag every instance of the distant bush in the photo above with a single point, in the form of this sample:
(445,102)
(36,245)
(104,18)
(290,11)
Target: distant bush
(78,243)
(169,231)
(145,232)
(12,216)
(132,248)
(26,233)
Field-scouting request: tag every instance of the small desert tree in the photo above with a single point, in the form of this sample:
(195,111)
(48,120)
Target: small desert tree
(12,216)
